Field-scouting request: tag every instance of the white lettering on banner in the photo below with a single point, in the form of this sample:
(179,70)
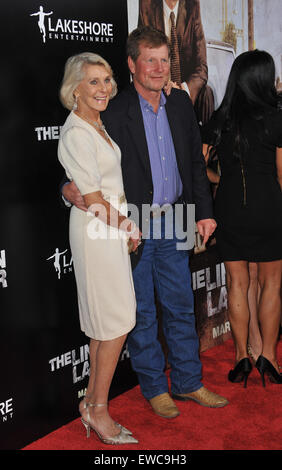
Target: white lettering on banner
(83,373)
(220,330)
(3,272)
(77,359)
(48,133)
(6,410)
(81,393)
(72,37)
(81,27)
(203,278)
(125,354)
(70,29)
(222,302)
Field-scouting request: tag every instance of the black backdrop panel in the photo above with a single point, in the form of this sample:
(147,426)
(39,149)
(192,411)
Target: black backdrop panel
(45,356)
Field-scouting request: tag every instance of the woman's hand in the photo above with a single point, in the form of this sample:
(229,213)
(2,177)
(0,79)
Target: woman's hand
(170,84)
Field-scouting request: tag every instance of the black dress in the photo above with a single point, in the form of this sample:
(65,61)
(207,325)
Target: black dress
(248,202)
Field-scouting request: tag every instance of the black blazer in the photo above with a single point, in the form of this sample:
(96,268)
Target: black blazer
(124,122)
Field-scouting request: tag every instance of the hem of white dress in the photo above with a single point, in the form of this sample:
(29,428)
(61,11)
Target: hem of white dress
(117,335)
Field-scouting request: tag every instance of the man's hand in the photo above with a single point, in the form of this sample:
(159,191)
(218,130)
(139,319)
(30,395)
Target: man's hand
(206,227)
(72,194)
(134,240)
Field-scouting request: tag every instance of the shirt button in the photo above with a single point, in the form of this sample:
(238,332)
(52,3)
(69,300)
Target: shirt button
(165,198)
(163,158)
(165,179)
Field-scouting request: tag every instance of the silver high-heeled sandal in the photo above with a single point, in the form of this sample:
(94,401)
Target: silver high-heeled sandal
(125,430)
(121,438)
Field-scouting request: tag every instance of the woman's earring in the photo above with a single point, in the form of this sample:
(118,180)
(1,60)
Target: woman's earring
(75,103)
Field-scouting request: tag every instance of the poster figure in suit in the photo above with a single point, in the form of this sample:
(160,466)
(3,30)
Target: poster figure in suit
(181,21)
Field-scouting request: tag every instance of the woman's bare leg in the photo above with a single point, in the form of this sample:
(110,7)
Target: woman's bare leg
(254,340)
(237,275)
(269,276)
(93,346)
(104,356)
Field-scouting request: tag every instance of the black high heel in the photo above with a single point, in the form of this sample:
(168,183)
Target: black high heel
(263,365)
(241,371)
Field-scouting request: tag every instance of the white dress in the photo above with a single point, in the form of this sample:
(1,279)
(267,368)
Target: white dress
(106,297)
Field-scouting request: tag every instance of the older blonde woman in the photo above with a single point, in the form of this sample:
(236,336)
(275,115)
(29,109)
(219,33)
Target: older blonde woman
(99,234)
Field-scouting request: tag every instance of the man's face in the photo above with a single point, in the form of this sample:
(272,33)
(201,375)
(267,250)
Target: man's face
(151,69)
(171,3)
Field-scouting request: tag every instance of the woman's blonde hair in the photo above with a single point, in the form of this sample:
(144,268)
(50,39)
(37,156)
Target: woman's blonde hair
(74,74)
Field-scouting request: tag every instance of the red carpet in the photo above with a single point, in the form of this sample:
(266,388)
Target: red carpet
(252,420)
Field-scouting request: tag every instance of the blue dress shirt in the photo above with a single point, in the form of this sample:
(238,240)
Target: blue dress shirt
(166,178)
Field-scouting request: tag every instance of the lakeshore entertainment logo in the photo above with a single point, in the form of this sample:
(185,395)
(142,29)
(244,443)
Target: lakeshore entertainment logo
(62,263)
(6,410)
(53,28)
(3,271)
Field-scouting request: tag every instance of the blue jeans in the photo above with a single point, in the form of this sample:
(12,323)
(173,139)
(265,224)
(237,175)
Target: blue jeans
(165,269)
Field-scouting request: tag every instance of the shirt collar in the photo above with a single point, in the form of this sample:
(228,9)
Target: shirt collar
(145,104)
(167,10)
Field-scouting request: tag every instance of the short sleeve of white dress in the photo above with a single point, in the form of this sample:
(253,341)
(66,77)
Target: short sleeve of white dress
(77,154)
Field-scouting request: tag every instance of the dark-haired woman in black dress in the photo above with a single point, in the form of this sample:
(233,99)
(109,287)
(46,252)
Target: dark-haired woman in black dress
(246,133)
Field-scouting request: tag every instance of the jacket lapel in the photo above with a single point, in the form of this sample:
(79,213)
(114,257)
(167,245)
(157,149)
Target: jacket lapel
(137,131)
(181,23)
(157,11)
(175,125)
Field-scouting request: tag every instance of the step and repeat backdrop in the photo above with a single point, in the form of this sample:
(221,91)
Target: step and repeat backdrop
(45,357)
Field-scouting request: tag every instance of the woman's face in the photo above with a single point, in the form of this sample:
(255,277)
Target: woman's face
(94,91)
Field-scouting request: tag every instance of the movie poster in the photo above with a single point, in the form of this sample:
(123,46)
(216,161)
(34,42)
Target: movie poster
(210,35)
